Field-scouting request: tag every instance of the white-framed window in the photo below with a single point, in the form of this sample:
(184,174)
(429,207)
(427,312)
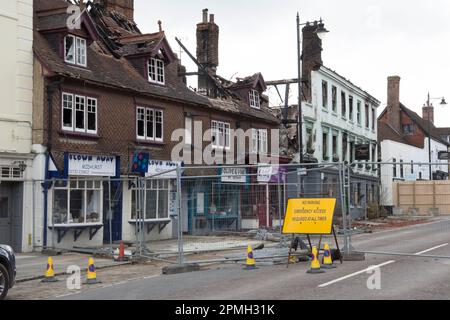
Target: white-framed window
(75,50)
(79,113)
(149,124)
(254,99)
(220,135)
(156,200)
(77,201)
(259,141)
(156,71)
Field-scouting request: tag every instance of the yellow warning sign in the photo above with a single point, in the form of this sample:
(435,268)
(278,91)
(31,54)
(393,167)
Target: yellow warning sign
(309,216)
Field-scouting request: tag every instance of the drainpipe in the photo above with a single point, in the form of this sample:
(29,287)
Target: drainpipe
(50,90)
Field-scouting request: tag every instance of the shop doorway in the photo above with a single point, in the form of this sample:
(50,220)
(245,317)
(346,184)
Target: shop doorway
(115,227)
(11,203)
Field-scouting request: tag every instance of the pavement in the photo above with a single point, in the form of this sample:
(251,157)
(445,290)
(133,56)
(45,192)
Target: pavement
(32,266)
(401,277)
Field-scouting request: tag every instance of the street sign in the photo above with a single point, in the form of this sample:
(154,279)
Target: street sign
(309,216)
(362,152)
(444,155)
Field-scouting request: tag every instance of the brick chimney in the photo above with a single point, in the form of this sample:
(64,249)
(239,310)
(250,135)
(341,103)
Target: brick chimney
(393,103)
(312,55)
(124,7)
(428,113)
(207,51)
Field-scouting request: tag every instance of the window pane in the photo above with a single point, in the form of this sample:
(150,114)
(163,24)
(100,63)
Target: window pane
(150,212)
(92,115)
(163,204)
(150,124)
(81,51)
(70,49)
(76,206)
(93,206)
(159,124)
(67,110)
(79,113)
(60,207)
(141,122)
(133,204)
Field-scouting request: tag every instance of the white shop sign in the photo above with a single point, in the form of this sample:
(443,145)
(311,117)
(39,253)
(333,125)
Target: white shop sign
(265,173)
(234,175)
(85,165)
(159,167)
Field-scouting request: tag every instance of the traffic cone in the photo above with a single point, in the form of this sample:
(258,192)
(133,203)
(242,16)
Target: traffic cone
(315,264)
(50,272)
(91,273)
(327,260)
(250,259)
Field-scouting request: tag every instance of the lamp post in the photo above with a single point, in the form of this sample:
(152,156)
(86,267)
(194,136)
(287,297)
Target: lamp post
(320,31)
(443,103)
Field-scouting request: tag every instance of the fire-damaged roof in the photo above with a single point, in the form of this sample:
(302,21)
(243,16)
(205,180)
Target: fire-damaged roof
(108,65)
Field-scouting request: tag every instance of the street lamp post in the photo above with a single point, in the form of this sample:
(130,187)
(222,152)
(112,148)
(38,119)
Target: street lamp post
(320,31)
(443,103)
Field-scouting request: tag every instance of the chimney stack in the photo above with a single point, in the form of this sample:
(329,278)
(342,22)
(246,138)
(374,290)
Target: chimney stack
(124,7)
(393,103)
(312,54)
(207,52)
(428,113)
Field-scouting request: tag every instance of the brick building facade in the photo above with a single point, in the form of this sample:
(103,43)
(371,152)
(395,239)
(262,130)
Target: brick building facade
(103,92)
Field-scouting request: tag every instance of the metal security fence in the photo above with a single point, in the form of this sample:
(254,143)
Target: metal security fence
(411,211)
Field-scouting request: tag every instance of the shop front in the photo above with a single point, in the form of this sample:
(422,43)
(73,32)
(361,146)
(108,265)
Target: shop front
(79,201)
(151,202)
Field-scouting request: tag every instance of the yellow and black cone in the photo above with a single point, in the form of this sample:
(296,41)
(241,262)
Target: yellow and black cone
(327,260)
(315,264)
(250,264)
(50,272)
(91,273)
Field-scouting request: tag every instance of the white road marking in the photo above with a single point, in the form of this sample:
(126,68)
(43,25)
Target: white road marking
(431,249)
(378,266)
(356,273)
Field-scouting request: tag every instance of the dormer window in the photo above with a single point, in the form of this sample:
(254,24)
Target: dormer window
(156,71)
(255,99)
(75,50)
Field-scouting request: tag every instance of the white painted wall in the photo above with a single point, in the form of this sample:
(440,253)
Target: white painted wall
(325,119)
(394,150)
(16,90)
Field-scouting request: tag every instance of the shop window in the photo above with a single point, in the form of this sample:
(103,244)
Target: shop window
(79,113)
(77,202)
(155,202)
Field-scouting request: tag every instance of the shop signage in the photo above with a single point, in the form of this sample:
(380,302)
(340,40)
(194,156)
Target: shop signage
(87,165)
(265,173)
(309,216)
(162,169)
(234,175)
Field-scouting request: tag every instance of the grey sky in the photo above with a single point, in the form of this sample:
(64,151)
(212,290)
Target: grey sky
(368,40)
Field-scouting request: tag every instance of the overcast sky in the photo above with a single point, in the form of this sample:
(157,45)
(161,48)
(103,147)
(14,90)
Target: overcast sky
(368,41)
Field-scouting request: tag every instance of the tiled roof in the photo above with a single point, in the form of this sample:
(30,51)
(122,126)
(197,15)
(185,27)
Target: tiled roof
(116,71)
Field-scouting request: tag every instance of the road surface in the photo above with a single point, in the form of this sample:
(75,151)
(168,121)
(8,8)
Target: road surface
(401,277)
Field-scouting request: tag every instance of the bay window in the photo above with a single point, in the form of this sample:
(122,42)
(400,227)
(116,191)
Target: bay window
(79,113)
(149,124)
(77,201)
(75,50)
(156,200)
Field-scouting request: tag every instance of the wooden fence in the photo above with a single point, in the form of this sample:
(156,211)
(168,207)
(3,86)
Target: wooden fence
(422,197)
